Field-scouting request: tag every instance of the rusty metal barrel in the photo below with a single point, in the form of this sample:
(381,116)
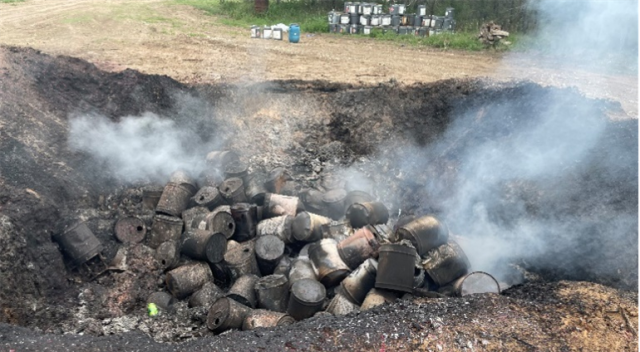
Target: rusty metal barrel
(356,196)
(187,279)
(183,178)
(278,204)
(261,318)
(232,190)
(279,226)
(425,233)
(327,262)
(245,217)
(360,246)
(367,213)
(130,229)
(243,290)
(162,300)
(79,244)
(204,245)
(241,260)
(174,200)
(269,252)
(208,197)
(283,267)
(306,298)
(307,227)
(206,295)
(472,283)
(164,229)
(333,201)
(226,314)
(446,263)
(396,264)
(272,292)
(276,179)
(360,281)
(338,231)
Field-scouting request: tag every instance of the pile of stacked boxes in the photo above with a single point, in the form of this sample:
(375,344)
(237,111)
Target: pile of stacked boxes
(363,18)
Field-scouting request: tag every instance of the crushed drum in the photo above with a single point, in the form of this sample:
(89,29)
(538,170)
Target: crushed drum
(130,229)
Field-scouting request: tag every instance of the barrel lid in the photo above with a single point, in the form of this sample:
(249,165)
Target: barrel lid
(230,186)
(216,247)
(236,168)
(130,229)
(334,196)
(308,291)
(269,247)
(206,194)
(239,254)
(218,313)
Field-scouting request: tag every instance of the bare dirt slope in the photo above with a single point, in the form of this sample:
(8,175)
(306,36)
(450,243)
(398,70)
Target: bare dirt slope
(157,37)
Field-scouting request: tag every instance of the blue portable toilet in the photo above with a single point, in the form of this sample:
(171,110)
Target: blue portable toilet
(294,33)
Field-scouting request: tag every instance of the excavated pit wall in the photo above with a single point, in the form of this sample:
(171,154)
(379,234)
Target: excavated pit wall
(312,128)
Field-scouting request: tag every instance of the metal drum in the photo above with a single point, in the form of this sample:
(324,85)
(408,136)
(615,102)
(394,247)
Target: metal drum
(242,290)
(279,226)
(241,260)
(377,297)
(365,20)
(167,255)
(226,314)
(307,296)
(472,283)
(79,244)
(347,6)
(401,9)
(426,21)
(208,197)
(174,200)
(187,279)
(448,12)
(307,227)
(446,263)
(245,217)
(396,265)
(130,229)
(164,228)
(353,7)
(219,220)
(345,18)
(232,190)
(272,292)
(425,233)
(394,10)
(269,252)
(367,9)
(422,10)
(395,21)
(354,19)
(341,305)
(255,32)
(266,32)
(260,318)
(206,296)
(276,179)
(420,32)
(277,205)
(360,281)
(204,245)
(220,159)
(357,248)
(255,189)
(375,21)
(301,268)
(327,262)
(151,196)
(417,21)
(377,9)
(162,300)
(367,213)
(334,202)
(385,20)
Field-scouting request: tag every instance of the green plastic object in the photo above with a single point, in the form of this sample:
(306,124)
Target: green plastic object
(152,309)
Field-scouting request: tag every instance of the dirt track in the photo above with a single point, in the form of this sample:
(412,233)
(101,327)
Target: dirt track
(157,37)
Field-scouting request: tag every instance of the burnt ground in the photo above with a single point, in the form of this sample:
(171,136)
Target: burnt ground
(313,128)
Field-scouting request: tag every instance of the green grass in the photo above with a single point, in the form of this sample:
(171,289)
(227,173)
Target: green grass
(460,40)
(77,19)
(10,1)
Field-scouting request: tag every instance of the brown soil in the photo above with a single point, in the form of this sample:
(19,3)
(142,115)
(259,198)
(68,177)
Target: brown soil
(154,37)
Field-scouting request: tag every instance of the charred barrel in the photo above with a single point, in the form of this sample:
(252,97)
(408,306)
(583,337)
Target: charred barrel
(232,190)
(219,220)
(312,200)
(183,178)
(307,296)
(278,204)
(260,318)
(272,292)
(334,203)
(167,254)
(130,229)
(276,179)
(79,244)
(396,267)
(446,263)
(341,305)
(236,169)
(187,279)
(327,262)
(164,229)
(220,159)
(206,296)
(204,245)
(367,213)
(162,300)
(354,197)
(255,189)
(245,217)
(174,199)
(356,248)
(243,290)
(301,268)
(377,297)
(241,260)
(425,233)
(151,196)
(226,314)
(472,283)
(269,252)
(307,227)
(208,197)
(279,226)
(360,281)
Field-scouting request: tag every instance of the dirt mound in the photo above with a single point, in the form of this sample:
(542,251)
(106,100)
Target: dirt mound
(408,144)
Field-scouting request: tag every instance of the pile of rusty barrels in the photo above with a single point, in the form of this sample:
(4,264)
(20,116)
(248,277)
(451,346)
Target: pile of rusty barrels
(257,253)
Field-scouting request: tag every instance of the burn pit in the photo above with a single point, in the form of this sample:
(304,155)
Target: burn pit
(312,130)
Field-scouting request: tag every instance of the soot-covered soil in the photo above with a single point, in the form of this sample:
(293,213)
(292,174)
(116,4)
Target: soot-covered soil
(312,128)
